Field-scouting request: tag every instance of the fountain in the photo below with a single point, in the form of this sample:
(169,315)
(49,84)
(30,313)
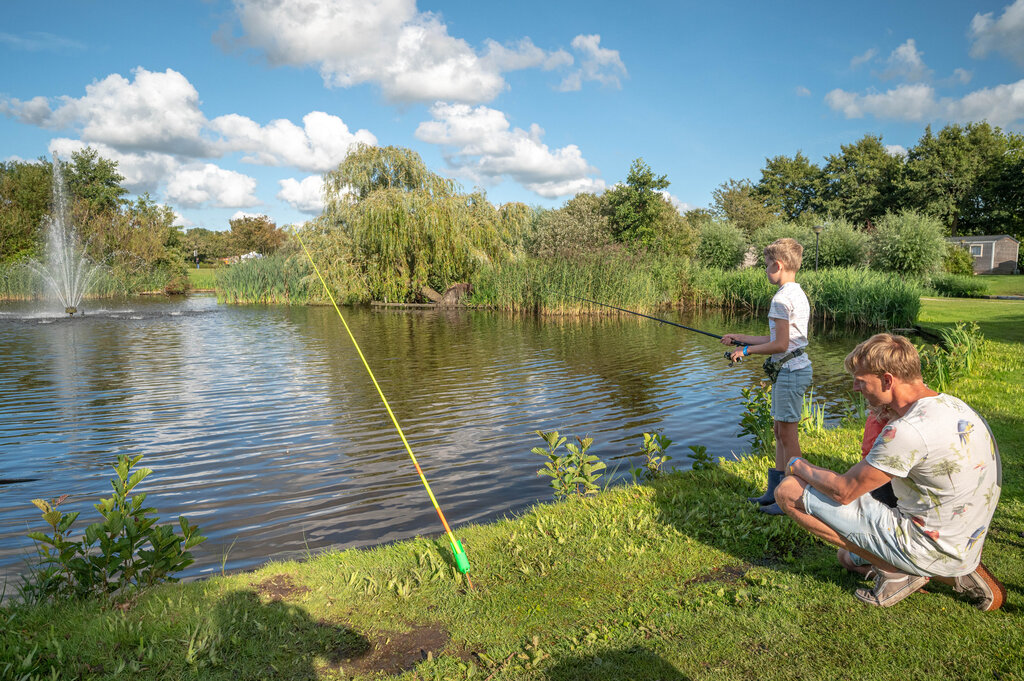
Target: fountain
(67,271)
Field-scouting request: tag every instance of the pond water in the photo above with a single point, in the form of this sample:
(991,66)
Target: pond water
(263,427)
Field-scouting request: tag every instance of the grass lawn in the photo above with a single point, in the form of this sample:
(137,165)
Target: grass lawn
(675,579)
(1001,320)
(203,278)
(1004,284)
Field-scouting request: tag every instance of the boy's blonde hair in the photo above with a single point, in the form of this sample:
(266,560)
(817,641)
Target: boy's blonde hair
(787,251)
(885,353)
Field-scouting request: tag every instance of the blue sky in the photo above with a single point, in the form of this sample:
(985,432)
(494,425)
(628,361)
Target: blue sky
(225,107)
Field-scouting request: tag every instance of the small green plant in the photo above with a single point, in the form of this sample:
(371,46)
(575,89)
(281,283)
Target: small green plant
(124,550)
(855,410)
(653,450)
(757,418)
(575,472)
(812,414)
(942,365)
(701,459)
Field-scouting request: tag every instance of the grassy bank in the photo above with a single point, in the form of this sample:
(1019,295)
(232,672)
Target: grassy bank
(203,278)
(677,579)
(1004,284)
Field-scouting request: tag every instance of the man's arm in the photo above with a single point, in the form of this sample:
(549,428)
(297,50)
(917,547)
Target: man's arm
(859,480)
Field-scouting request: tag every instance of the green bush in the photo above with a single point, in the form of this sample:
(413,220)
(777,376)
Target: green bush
(721,245)
(957,286)
(842,245)
(580,226)
(908,243)
(781,230)
(958,260)
(942,365)
(126,549)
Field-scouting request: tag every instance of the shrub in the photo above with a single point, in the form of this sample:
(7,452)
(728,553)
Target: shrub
(780,230)
(125,549)
(721,245)
(842,245)
(574,472)
(957,286)
(958,260)
(942,365)
(580,226)
(908,243)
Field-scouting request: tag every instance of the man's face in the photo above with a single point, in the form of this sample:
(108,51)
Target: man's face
(877,390)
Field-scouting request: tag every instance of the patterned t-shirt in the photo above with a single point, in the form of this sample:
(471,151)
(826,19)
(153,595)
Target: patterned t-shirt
(947,478)
(790,303)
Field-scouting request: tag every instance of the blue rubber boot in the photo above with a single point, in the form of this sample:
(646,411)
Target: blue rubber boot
(771,509)
(775,476)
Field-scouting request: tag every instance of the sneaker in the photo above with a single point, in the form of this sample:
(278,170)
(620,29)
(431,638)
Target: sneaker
(986,591)
(890,588)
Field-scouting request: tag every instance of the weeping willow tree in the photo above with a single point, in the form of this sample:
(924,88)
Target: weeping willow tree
(404,227)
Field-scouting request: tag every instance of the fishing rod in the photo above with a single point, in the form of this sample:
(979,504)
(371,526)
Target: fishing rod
(461,561)
(663,321)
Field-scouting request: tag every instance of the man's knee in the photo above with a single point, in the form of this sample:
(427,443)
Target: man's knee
(789,493)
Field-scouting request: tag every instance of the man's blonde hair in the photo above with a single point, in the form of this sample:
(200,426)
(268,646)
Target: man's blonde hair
(787,251)
(885,353)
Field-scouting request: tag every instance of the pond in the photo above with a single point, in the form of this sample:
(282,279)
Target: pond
(262,425)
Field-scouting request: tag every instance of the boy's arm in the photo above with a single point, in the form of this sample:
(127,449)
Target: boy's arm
(763,345)
(744,339)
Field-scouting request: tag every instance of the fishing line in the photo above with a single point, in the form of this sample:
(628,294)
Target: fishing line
(461,561)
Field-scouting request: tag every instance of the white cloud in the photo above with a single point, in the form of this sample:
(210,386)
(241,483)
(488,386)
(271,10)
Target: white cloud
(319,145)
(681,206)
(863,58)
(906,63)
(906,102)
(142,171)
(207,184)
(802,91)
(1001,105)
(597,64)
(896,150)
(242,214)
(961,76)
(479,143)
(182,221)
(1004,35)
(306,196)
(408,54)
(155,112)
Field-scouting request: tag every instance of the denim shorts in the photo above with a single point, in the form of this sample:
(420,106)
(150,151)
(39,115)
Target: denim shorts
(866,523)
(788,394)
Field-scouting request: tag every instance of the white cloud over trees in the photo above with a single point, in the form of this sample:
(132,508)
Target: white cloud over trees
(481,145)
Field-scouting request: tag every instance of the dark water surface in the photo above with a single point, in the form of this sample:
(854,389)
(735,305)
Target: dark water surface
(263,427)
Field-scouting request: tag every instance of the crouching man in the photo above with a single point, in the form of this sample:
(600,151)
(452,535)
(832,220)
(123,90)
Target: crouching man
(944,467)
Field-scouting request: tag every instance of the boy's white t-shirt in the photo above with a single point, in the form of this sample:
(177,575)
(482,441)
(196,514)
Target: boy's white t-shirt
(790,303)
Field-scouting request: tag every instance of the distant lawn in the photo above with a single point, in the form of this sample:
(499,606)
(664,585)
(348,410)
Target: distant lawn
(999,319)
(1004,284)
(203,278)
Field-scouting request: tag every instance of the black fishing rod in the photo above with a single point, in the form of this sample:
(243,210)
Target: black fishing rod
(663,321)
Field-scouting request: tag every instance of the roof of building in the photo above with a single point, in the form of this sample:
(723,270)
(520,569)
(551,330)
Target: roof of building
(984,237)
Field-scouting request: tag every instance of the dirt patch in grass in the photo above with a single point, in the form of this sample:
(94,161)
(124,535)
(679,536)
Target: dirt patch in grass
(394,652)
(727,575)
(280,588)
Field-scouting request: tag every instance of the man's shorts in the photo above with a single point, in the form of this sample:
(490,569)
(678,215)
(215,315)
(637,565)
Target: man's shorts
(788,394)
(864,522)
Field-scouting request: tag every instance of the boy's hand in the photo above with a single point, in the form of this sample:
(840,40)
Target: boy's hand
(736,355)
(731,339)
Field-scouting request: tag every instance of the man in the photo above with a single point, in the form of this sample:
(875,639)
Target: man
(944,467)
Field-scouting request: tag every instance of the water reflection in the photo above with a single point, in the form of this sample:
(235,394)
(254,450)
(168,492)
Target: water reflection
(262,426)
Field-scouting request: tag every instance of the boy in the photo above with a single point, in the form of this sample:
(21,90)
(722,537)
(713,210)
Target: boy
(788,320)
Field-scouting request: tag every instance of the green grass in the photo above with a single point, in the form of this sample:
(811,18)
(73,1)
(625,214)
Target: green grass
(204,278)
(676,579)
(1001,320)
(1004,284)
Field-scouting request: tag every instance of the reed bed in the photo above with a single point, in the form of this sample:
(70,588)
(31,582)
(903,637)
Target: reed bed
(843,296)
(274,279)
(21,282)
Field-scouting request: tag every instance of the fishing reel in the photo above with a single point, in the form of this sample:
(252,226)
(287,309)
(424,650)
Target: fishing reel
(728,354)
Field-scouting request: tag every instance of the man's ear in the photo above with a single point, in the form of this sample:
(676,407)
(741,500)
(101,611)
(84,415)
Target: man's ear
(887,381)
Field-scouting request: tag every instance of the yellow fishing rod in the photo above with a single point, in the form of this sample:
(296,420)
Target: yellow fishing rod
(461,561)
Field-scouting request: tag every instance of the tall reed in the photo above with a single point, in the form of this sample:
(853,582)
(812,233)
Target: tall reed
(274,279)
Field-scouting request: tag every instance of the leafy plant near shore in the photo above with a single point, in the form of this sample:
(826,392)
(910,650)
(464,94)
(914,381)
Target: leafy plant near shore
(124,550)
(575,472)
(757,418)
(702,461)
(812,414)
(653,450)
